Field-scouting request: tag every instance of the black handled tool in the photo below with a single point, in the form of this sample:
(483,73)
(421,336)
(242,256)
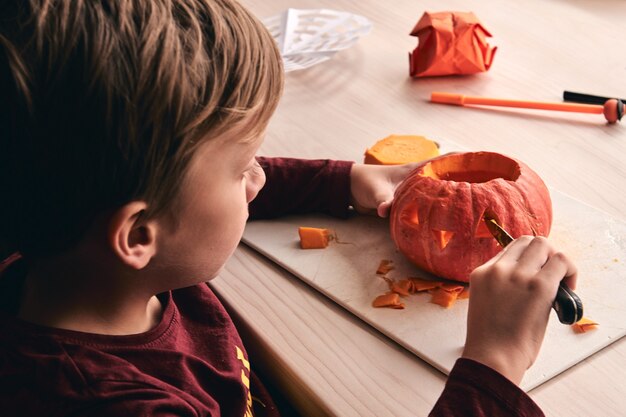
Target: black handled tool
(568,306)
(586,98)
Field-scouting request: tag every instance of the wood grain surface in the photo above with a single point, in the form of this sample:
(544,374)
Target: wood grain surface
(325,360)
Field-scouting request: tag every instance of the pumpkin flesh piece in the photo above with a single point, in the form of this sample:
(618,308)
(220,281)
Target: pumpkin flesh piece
(313,238)
(401,149)
(391,300)
(464,295)
(402,287)
(424,284)
(583,325)
(385,266)
(457,288)
(443,297)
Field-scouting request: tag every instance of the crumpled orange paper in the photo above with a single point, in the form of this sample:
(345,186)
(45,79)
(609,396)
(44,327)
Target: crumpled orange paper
(450,43)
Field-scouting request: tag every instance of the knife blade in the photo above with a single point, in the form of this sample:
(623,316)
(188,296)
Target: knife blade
(568,306)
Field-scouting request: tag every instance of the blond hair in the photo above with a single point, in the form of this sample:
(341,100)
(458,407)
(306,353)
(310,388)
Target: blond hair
(105,102)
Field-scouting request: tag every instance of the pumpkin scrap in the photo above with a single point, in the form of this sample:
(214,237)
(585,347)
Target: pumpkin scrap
(401,149)
(385,266)
(402,287)
(424,284)
(442,292)
(464,295)
(443,297)
(457,288)
(583,325)
(391,300)
(314,238)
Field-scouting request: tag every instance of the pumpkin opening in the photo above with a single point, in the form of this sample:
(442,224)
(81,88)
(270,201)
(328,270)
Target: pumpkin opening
(472,168)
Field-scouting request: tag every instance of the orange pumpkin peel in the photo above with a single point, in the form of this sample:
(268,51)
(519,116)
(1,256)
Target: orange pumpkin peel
(390,300)
(385,266)
(464,295)
(443,293)
(584,325)
(424,284)
(443,298)
(403,287)
(446,295)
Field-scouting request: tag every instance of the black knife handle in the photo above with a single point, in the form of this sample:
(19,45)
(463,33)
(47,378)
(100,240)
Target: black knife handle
(568,306)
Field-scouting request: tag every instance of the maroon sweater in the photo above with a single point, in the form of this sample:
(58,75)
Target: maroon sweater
(193,362)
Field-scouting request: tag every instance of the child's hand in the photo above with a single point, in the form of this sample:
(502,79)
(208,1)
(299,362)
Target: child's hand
(373,186)
(511,298)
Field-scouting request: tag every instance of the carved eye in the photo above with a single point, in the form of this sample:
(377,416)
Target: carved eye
(481,229)
(410,216)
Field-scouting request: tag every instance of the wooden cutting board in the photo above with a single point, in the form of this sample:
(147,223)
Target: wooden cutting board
(346,274)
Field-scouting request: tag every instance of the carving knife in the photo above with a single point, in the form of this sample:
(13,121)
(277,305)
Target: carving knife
(568,306)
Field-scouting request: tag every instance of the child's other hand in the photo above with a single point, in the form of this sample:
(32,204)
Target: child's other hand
(511,298)
(372,186)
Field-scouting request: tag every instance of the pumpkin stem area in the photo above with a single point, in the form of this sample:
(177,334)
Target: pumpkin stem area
(473,167)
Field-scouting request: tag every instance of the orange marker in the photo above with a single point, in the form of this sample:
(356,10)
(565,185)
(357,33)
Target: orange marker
(613,109)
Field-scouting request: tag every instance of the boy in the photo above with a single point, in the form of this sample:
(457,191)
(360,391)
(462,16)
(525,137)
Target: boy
(127,164)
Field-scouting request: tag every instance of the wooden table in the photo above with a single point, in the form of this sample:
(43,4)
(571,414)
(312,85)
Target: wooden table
(325,360)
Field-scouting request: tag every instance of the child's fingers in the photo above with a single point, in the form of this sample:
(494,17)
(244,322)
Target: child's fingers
(384,208)
(571,276)
(399,173)
(536,254)
(402,171)
(516,248)
(491,261)
(542,257)
(559,267)
(511,253)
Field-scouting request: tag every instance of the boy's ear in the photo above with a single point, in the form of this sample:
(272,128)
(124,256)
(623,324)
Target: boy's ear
(130,237)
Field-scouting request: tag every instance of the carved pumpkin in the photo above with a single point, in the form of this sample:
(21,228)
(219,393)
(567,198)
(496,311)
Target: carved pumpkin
(437,215)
